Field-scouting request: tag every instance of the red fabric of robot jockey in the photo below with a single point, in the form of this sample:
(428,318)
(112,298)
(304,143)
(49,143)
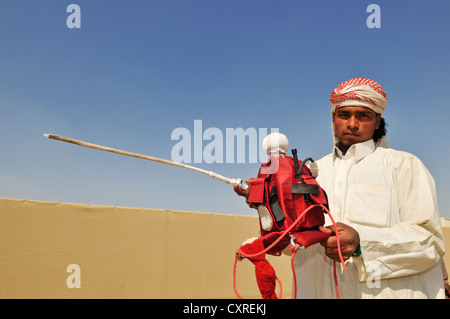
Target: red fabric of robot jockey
(284,189)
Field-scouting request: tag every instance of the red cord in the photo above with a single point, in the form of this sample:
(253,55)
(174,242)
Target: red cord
(335,280)
(234,280)
(239,252)
(234,277)
(293,269)
(281,288)
(337,238)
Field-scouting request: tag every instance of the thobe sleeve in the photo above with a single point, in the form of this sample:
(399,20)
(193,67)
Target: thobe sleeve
(414,243)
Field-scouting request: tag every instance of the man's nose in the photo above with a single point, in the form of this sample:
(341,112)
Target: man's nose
(353,123)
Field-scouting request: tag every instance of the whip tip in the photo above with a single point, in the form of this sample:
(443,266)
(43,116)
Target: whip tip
(46,135)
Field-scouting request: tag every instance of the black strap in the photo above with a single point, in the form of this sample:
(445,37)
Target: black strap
(301,188)
(298,172)
(275,205)
(309,159)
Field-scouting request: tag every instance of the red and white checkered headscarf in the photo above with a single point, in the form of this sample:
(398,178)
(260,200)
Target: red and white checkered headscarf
(359,92)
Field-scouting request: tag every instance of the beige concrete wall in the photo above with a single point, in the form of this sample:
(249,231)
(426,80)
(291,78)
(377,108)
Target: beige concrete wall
(127,252)
(124,252)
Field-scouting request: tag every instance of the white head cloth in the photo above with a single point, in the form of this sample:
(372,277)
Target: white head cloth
(275,144)
(360,92)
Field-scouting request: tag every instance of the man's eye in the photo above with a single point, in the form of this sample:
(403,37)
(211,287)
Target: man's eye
(343,115)
(364,116)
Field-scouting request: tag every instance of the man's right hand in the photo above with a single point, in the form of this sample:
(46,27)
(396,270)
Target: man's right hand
(244,192)
(240,191)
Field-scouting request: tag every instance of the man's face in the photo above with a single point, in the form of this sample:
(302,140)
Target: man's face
(354,124)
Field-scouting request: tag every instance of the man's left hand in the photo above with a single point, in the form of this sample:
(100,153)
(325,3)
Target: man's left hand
(348,237)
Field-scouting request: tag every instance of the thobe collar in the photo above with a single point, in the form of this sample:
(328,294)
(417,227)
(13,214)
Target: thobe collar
(356,151)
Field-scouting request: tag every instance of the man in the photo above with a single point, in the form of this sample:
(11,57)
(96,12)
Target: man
(385,204)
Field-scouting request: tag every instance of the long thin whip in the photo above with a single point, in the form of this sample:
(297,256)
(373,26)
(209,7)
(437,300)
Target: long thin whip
(147,157)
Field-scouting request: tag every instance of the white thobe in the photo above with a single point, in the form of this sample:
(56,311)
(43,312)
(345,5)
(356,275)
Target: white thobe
(389,197)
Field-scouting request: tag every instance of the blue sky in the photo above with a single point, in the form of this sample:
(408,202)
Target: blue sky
(137,70)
